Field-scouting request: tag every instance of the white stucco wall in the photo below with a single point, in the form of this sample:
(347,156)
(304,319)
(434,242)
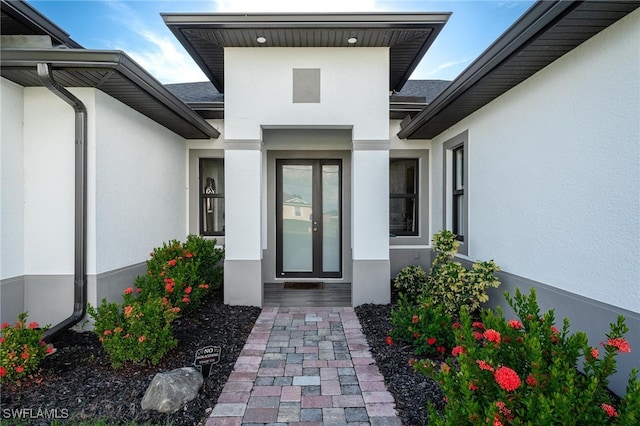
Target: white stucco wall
(140,180)
(370,205)
(243,204)
(49,149)
(554,172)
(136,194)
(258,90)
(11,175)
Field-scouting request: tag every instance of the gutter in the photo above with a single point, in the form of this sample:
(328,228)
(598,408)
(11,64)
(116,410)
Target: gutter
(541,14)
(80,243)
(136,82)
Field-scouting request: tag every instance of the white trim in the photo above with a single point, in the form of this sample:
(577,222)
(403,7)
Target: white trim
(371,145)
(242,144)
(409,247)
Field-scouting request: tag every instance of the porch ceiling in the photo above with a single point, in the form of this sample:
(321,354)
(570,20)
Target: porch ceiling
(407,35)
(114,73)
(547,31)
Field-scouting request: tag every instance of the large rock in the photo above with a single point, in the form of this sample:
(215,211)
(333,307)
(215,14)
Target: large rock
(170,391)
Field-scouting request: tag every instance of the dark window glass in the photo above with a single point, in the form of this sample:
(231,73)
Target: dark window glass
(211,196)
(403,194)
(458,193)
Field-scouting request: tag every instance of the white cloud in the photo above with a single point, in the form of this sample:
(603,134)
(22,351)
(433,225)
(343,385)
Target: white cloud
(165,59)
(445,71)
(159,54)
(294,6)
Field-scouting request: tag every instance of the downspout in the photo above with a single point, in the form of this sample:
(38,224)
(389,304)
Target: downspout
(80,241)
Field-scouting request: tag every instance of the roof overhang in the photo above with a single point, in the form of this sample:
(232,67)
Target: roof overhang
(114,73)
(407,35)
(19,18)
(547,31)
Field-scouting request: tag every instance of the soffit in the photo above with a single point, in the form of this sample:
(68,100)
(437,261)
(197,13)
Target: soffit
(547,31)
(19,18)
(114,73)
(407,35)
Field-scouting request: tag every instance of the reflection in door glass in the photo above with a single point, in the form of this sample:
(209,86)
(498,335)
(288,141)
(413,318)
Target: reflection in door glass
(330,218)
(297,214)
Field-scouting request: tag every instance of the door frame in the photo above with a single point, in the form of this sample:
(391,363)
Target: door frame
(317,239)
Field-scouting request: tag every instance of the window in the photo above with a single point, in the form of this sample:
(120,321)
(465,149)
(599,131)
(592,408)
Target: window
(457,214)
(211,196)
(456,189)
(403,197)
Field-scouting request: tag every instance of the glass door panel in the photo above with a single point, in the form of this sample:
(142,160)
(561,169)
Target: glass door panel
(309,218)
(297,215)
(331,253)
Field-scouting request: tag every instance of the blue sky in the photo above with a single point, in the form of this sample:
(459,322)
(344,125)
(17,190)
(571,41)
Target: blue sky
(135,26)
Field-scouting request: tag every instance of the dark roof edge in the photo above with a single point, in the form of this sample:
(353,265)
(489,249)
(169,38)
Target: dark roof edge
(32,15)
(115,60)
(196,57)
(405,20)
(539,15)
(418,56)
(305,20)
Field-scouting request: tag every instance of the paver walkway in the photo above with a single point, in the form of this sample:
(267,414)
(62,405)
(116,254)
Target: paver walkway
(305,366)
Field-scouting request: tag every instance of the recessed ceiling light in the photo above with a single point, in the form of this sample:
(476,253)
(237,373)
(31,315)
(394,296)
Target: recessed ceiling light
(261,40)
(352,40)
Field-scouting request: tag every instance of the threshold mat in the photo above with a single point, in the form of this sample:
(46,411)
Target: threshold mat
(303,286)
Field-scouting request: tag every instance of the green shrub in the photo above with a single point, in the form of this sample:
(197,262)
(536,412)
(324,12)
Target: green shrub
(524,372)
(411,281)
(209,258)
(138,331)
(451,284)
(180,273)
(21,348)
(424,325)
(178,278)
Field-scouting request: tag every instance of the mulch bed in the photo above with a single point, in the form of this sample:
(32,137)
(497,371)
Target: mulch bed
(79,379)
(411,390)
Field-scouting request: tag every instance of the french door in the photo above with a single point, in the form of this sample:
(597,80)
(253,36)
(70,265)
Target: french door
(309,218)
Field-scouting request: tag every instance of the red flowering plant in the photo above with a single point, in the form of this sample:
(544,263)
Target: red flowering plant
(21,348)
(424,325)
(136,330)
(182,273)
(525,371)
(178,277)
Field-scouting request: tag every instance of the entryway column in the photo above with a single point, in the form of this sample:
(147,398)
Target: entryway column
(370,222)
(243,222)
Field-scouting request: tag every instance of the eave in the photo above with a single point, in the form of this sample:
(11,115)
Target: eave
(547,31)
(407,35)
(20,18)
(114,73)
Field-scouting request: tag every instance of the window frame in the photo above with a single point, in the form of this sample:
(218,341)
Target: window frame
(203,197)
(457,192)
(406,196)
(451,194)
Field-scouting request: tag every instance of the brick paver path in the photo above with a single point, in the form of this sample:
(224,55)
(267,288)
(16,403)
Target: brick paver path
(305,366)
